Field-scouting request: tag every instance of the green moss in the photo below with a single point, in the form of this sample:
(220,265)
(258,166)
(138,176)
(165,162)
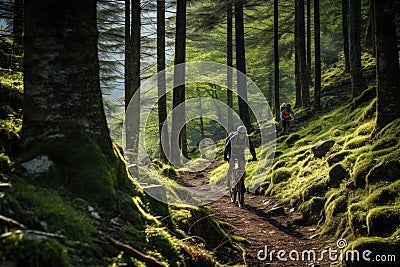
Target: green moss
(378,246)
(383,221)
(280,175)
(32,250)
(5,163)
(310,211)
(357,215)
(59,215)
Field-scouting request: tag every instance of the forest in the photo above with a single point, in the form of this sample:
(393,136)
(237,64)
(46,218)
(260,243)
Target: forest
(199,133)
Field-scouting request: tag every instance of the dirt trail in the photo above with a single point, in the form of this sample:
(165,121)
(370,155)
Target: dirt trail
(261,228)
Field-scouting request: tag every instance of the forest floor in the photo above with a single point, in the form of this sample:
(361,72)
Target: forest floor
(265,229)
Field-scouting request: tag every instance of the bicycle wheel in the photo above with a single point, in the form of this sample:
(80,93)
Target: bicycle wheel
(240,191)
(232,193)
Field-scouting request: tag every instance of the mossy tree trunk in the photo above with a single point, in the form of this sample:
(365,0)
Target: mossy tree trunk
(387,68)
(356,72)
(62,87)
(63,115)
(241,64)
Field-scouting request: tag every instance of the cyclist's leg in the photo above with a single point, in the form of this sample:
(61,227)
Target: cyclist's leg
(288,127)
(231,165)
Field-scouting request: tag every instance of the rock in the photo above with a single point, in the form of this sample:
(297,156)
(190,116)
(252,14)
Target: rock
(336,158)
(336,175)
(384,171)
(322,147)
(38,165)
(90,208)
(279,210)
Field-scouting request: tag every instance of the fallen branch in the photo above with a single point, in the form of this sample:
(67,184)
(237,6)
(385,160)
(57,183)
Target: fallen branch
(149,261)
(11,222)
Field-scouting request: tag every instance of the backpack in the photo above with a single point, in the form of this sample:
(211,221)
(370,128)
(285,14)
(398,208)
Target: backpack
(230,136)
(286,114)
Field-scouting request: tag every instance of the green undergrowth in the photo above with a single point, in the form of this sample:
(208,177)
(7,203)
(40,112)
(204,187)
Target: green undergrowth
(351,192)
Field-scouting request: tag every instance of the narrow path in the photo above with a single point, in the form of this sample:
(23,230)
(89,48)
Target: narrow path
(264,229)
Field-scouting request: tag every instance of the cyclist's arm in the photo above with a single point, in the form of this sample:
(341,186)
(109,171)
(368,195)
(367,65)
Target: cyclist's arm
(227,149)
(252,150)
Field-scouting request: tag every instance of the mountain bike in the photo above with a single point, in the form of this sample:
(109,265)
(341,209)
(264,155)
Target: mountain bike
(237,179)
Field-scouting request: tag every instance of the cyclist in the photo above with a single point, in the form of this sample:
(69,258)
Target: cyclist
(234,150)
(287,115)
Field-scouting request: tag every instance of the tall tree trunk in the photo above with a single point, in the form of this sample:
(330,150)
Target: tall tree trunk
(162,103)
(345,34)
(179,91)
(241,64)
(357,79)
(229,63)
(18,21)
(132,121)
(63,109)
(317,55)
(299,101)
(370,31)
(128,53)
(387,68)
(309,74)
(276,60)
(305,90)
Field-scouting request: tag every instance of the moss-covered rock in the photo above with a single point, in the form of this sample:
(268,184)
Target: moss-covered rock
(310,211)
(386,249)
(338,157)
(383,221)
(322,147)
(384,171)
(337,174)
(29,249)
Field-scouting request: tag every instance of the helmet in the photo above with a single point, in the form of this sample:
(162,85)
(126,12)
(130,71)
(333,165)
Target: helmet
(283,105)
(242,129)
(288,105)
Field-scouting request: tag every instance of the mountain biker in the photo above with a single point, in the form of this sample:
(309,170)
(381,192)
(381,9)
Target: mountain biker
(287,115)
(234,149)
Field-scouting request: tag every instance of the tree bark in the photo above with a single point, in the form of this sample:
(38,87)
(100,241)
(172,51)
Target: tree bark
(357,79)
(179,91)
(305,90)
(276,60)
(128,52)
(299,101)
(370,31)
(241,64)
(162,102)
(387,68)
(18,21)
(345,34)
(61,75)
(317,55)
(229,62)
(309,74)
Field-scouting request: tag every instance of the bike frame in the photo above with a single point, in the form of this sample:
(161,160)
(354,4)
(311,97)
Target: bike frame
(237,178)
